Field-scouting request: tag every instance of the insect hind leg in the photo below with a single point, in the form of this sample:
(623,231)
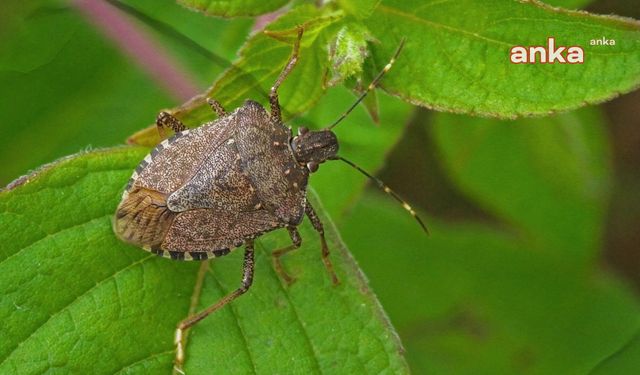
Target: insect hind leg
(183,326)
(277,254)
(273,94)
(317,225)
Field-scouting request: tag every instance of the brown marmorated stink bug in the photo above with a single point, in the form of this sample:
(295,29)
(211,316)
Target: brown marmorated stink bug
(203,192)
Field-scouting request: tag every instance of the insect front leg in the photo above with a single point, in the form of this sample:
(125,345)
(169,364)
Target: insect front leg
(167,120)
(277,264)
(317,225)
(183,326)
(273,94)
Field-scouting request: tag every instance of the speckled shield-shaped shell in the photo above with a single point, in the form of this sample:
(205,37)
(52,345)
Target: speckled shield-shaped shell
(205,191)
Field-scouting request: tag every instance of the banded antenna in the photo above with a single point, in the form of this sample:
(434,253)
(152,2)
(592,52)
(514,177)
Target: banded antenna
(382,186)
(371,86)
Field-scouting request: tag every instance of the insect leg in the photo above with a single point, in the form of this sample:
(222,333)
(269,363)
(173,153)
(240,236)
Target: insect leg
(247,280)
(273,94)
(277,264)
(216,107)
(317,225)
(166,120)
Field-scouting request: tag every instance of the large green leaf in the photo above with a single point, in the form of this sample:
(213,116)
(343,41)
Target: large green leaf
(457,56)
(75,298)
(470,299)
(234,8)
(548,177)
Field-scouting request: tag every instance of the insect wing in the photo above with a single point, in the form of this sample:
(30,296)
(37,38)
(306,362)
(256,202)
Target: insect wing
(213,231)
(219,183)
(143,218)
(176,160)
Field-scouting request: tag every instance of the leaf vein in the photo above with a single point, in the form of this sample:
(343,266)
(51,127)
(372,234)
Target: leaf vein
(141,360)
(295,312)
(237,321)
(67,306)
(436,25)
(53,234)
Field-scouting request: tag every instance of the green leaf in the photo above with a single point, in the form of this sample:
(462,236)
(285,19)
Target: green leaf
(456,56)
(471,299)
(233,8)
(46,109)
(549,178)
(569,4)
(359,8)
(76,298)
(626,360)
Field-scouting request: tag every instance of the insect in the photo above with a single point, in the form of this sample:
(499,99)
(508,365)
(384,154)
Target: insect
(205,191)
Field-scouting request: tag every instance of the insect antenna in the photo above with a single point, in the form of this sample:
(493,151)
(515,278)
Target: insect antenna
(371,86)
(382,186)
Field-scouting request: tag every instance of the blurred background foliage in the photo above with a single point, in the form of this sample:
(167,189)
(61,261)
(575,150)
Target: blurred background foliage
(533,263)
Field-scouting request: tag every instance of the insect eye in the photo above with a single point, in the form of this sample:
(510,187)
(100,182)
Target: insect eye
(302,130)
(312,166)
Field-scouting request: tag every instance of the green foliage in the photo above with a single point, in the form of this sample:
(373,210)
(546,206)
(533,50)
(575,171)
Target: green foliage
(261,60)
(62,98)
(457,56)
(623,361)
(532,171)
(359,8)
(233,8)
(44,104)
(569,4)
(207,44)
(130,282)
(74,296)
(430,72)
(523,295)
(472,298)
